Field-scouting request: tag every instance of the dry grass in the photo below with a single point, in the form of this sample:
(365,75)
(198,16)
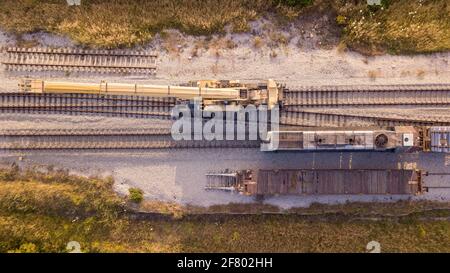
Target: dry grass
(277,39)
(373,74)
(405,73)
(342,47)
(401,26)
(291,234)
(172,42)
(273,54)
(120,23)
(217,46)
(420,73)
(258,42)
(236,234)
(41,211)
(56,193)
(215,69)
(174,209)
(230,44)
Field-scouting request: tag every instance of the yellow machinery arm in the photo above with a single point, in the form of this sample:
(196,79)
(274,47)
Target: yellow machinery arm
(207,90)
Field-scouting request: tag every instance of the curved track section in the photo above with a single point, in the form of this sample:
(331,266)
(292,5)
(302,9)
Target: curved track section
(323,119)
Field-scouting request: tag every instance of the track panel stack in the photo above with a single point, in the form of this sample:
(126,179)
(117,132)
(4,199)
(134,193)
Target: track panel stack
(79,60)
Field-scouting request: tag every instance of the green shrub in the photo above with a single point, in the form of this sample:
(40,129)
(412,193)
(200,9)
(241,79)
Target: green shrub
(296,3)
(136,195)
(25,248)
(341,20)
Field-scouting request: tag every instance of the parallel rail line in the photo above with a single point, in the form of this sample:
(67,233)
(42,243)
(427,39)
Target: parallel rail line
(101,139)
(318,119)
(84,132)
(82,104)
(78,60)
(22,97)
(389,113)
(77,111)
(432,94)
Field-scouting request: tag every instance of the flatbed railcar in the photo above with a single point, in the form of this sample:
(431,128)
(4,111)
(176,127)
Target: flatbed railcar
(261,183)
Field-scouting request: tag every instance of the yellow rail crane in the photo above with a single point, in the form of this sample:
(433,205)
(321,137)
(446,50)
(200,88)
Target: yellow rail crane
(211,92)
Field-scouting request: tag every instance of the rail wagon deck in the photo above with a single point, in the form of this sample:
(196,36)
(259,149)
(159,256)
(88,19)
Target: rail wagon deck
(320,182)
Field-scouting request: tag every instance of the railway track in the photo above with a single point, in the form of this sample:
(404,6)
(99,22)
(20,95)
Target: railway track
(378,95)
(155,107)
(78,60)
(432,114)
(84,132)
(323,119)
(107,139)
(87,104)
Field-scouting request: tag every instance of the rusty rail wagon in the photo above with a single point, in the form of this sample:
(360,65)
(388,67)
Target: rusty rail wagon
(263,183)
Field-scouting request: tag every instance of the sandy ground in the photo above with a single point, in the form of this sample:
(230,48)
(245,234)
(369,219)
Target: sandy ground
(309,56)
(314,67)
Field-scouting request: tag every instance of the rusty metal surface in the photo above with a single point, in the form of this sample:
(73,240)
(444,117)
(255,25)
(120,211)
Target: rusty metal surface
(337,181)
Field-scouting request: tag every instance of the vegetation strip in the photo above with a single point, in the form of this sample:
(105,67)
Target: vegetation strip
(396,26)
(42,209)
